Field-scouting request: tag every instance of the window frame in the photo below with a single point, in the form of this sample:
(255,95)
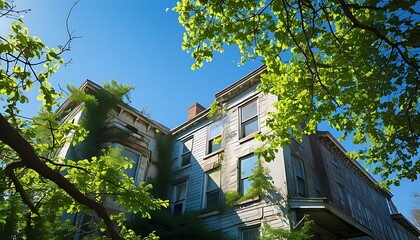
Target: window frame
(140,165)
(253,118)
(206,190)
(187,152)
(249,228)
(242,178)
(176,201)
(300,180)
(210,141)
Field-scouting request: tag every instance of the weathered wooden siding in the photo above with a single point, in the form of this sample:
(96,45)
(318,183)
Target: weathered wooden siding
(248,214)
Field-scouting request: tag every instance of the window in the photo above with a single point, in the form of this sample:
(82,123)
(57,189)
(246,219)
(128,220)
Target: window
(247,166)
(186,152)
(215,137)
(139,167)
(179,195)
(300,177)
(252,233)
(212,190)
(249,119)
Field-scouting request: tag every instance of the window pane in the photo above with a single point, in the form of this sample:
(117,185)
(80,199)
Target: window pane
(132,156)
(250,127)
(245,185)
(299,168)
(213,199)
(247,166)
(178,208)
(180,192)
(213,180)
(213,147)
(186,159)
(250,233)
(301,187)
(215,129)
(187,146)
(249,111)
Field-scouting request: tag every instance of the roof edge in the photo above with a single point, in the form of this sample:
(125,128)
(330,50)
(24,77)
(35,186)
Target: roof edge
(338,144)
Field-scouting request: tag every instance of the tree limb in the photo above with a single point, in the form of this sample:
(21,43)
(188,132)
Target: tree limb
(11,137)
(18,186)
(374,30)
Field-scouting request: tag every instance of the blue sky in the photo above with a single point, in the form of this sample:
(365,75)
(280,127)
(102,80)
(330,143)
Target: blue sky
(139,43)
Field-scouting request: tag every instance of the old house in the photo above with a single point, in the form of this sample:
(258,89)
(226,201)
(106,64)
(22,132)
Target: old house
(126,128)
(214,158)
(314,178)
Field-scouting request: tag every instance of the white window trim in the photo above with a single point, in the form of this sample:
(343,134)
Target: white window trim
(240,170)
(239,110)
(205,190)
(185,153)
(208,137)
(184,201)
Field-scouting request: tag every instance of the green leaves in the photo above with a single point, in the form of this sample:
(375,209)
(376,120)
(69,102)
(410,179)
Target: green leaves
(353,65)
(105,178)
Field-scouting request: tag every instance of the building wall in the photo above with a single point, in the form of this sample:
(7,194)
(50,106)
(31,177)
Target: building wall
(350,189)
(227,160)
(328,173)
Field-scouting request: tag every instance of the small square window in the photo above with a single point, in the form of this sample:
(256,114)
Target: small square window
(249,119)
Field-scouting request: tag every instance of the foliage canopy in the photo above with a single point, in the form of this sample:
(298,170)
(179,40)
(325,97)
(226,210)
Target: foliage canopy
(352,63)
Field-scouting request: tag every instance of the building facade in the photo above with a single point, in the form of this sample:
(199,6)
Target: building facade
(138,145)
(214,158)
(314,178)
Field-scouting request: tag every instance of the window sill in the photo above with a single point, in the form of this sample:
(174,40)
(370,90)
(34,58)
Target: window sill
(249,137)
(183,167)
(239,203)
(249,200)
(208,214)
(213,154)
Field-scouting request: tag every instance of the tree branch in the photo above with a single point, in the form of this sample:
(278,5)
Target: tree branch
(18,186)
(374,30)
(11,137)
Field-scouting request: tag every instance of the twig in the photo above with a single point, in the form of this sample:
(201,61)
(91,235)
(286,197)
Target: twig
(18,186)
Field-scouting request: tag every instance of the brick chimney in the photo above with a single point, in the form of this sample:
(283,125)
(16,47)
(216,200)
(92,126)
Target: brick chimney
(194,109)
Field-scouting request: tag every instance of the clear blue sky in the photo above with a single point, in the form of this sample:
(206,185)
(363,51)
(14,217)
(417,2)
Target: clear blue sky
(139,43)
